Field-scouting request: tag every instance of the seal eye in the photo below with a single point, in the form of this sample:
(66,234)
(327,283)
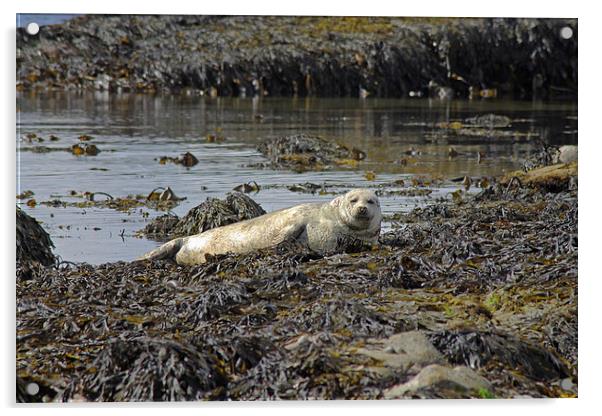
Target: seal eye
(371,201)
(353,200)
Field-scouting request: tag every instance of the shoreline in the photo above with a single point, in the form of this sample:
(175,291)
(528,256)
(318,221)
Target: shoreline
(478,293)
(303,56)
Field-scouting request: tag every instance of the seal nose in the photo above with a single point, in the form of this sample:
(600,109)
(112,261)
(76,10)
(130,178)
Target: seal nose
(362,210)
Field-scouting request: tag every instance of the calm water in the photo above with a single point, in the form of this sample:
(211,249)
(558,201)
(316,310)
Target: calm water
(42,19)
(133,130)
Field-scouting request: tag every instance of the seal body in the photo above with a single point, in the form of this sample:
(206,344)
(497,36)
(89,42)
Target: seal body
(323,227)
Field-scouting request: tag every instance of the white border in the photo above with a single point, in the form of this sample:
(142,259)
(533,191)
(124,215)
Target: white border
(590,137)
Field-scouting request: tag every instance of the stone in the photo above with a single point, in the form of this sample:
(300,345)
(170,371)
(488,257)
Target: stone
(566,154)
(407,351)
(461,377)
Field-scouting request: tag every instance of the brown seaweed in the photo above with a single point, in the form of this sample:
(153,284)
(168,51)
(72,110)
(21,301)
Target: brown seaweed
(489,280)
(209,214)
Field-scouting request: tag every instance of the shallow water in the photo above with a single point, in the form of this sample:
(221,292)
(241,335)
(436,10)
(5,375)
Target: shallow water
(133,131)
(43,19)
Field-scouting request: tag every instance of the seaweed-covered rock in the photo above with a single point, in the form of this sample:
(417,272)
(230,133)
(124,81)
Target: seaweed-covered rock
(304,55)
(146,369)
(210,214)
(476,349)
(161,226)
(34,246)
(548,155)
(490,120)
(303,152)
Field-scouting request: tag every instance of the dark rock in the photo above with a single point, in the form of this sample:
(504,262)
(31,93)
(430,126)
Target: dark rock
(210,214)
(161,226)
(34,246)
(476,349)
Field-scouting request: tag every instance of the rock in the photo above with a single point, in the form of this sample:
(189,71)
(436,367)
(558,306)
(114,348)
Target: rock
(209,214)
(490,121)
(461,378)
(34,246)
(303,152)
(476,349)
(292,55)
(161,226)
(551,155)
(566,154)
(553,178)
(187,159)
(407,351)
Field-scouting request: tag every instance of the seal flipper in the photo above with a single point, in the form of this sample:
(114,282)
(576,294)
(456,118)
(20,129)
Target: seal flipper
(293,240)
(296,234)
(167,250)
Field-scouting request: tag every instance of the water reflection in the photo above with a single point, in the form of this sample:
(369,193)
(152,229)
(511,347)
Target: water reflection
(133,130)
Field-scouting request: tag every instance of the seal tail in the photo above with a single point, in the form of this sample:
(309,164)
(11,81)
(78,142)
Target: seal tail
(167,250)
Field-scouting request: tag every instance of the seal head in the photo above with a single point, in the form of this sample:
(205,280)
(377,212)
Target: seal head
(359,210)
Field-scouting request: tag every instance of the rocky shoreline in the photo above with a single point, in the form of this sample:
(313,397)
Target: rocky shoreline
(471,298)
(304,56)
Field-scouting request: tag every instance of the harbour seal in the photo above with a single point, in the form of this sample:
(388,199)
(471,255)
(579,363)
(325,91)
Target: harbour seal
(323,227)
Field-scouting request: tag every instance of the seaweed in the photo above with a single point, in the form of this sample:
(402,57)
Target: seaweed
(34,246)
(491,281)
(147,369)
(303,152)
(475,349)
(303,56)
(205,216)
